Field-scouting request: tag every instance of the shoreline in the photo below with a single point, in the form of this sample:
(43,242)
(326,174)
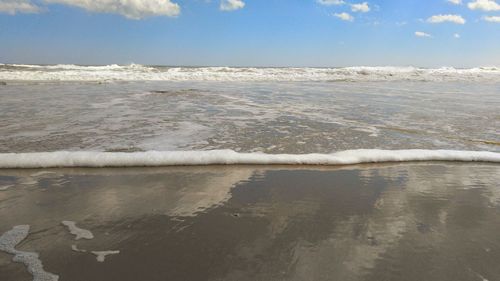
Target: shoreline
(61,159)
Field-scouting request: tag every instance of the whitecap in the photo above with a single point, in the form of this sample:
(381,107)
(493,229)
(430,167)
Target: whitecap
(136,72)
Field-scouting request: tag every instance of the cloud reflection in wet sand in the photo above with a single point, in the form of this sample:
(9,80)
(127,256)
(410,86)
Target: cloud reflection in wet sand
(370,222)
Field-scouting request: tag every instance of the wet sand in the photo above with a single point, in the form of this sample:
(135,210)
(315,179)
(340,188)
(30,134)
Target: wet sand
(409,221)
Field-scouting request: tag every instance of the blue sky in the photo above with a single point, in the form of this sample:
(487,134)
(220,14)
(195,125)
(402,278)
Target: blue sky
(430,33)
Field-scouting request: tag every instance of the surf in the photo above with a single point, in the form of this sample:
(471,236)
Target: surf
(61,159)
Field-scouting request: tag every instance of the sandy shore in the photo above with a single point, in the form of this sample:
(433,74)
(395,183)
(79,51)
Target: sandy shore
(411,221)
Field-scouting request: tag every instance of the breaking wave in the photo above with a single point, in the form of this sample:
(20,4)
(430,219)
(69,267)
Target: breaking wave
(230,157)
(136,72)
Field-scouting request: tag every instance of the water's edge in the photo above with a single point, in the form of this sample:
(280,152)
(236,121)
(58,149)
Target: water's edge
(230,157)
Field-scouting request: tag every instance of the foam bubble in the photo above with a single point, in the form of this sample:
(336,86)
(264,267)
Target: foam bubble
(8,242)
(230,157)
(78,232)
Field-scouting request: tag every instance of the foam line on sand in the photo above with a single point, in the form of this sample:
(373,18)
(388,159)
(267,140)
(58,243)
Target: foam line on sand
(229,157)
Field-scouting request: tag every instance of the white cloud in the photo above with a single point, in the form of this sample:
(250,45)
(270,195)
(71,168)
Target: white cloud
(331,2)
(485,5)
(132,9)
(344,16)
(492,19)
(456,35)
(446,18)
(422,34)
(231,5)
(18,6)
(456,2)
(360,7)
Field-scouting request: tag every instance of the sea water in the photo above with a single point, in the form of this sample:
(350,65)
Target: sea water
(237,115)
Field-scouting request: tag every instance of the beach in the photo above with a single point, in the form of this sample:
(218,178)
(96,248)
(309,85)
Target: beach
(235,140)
(411,221)
(168,173)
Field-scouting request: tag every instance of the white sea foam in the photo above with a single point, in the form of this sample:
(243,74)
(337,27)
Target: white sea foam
(134,72)
(78,232)
(230,157)
(76,249)
(101,255)
(8,242)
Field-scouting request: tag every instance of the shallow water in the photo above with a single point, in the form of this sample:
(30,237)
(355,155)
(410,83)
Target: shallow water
(380,222)
(277,117)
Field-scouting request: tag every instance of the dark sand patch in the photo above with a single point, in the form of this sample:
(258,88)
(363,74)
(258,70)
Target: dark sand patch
(411,221)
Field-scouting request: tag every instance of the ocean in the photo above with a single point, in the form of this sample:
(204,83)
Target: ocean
(248,110)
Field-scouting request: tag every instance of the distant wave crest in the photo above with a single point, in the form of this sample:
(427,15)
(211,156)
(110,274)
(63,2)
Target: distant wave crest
(230,157)
(136,72)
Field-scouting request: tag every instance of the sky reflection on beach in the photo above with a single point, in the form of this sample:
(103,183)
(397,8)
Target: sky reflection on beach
(369,222)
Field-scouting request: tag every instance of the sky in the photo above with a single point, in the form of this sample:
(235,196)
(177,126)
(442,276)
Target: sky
(317,33)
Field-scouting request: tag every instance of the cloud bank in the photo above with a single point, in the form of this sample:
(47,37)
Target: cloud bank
(132,9)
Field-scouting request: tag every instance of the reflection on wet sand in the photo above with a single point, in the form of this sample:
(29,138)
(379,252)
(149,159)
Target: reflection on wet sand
(372,222)
(107,194)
